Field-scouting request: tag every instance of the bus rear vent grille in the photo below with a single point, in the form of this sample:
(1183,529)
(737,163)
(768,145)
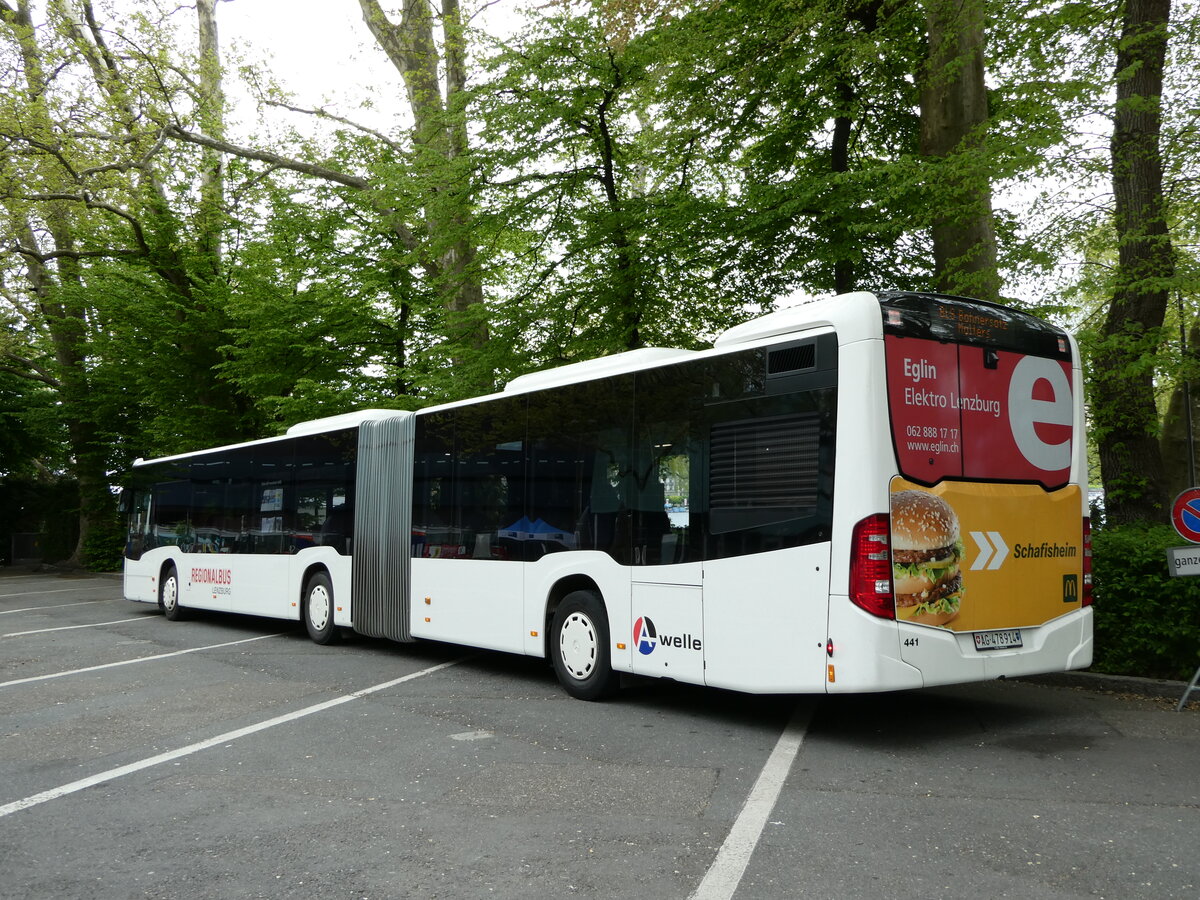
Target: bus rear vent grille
(791,359)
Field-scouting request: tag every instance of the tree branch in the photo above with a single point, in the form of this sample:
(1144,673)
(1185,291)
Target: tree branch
(87,200)
(326,114)
(31,370)
(74,254)
(402,231)
(282,162)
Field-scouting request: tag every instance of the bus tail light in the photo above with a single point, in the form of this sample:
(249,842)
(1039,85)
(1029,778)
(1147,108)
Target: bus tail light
(1087,562)
(871,566)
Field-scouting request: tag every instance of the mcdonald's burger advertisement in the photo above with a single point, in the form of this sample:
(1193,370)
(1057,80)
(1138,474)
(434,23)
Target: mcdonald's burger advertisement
(972,556)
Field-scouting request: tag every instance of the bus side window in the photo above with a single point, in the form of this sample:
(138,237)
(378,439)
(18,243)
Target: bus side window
(579,458)
(319,504)
(171,525)
(490,463)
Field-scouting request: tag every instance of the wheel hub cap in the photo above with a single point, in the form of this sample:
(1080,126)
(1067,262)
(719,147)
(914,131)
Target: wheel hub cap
(318,607)
(578,645)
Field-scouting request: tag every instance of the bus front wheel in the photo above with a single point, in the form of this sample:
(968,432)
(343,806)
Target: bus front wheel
(579,647)
(318,609)
(168,595)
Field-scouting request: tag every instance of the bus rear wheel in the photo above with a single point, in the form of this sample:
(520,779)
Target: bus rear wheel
(580,649)
(168,595)
(318,609)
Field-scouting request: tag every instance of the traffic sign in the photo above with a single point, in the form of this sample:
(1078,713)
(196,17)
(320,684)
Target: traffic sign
(1185,515)
(1184,560)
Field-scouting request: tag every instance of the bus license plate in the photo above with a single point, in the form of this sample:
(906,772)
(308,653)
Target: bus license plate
(997,640)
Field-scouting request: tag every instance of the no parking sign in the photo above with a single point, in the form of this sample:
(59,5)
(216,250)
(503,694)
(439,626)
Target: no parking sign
(1185,515)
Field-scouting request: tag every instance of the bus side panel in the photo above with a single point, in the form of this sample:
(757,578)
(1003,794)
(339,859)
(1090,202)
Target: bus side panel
(610,578)
(339,568)
(667,640)
(247,584)
(255,585)
(476,602)
(866,652)
(764,621)
(141,575)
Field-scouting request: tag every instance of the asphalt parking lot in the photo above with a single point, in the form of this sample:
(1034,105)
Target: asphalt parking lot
(226,757)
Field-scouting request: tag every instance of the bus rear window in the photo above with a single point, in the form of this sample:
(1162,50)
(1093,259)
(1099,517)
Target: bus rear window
(977,391)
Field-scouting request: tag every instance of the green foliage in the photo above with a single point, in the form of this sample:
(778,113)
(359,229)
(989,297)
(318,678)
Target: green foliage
(815,106)
(1147,622)
(31,440)
(104,547)
(45,506)
(607,226)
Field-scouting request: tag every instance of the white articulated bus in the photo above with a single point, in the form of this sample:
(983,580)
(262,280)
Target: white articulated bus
(870,492)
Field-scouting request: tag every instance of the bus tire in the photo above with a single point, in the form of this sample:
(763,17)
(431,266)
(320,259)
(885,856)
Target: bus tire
(168,595)
(318,609)
(579,647)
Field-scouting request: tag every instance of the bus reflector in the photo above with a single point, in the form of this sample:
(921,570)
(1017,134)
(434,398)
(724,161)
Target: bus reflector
(1087,562)
(832,679)
(871,566)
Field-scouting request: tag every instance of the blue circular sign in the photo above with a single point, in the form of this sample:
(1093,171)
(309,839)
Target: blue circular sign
(1185,515)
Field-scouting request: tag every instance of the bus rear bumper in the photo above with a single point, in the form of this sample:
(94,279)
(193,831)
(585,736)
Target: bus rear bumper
(947,657)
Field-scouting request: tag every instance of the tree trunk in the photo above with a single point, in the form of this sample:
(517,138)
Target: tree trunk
(1177,442)
(440,135)
(844,276)
(212,119)
(56,289)
(954,116)
(1123,402)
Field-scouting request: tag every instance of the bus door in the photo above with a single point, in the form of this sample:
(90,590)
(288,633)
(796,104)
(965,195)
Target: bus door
(668,623)
(667,600)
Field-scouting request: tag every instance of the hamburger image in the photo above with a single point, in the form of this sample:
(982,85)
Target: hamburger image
(926,549)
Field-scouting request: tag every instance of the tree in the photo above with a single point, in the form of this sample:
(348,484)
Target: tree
(954,119)
(812,104)
(99,243)
(1181,187)
(1123,391)
(610,226)
(423,193)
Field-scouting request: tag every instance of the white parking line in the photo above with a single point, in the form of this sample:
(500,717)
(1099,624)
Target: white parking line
(54,793)
(5,612)
(139,659)
(727,869)
(35,593)
(71,627)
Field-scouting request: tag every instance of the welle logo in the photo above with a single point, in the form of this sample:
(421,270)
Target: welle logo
(646,637)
